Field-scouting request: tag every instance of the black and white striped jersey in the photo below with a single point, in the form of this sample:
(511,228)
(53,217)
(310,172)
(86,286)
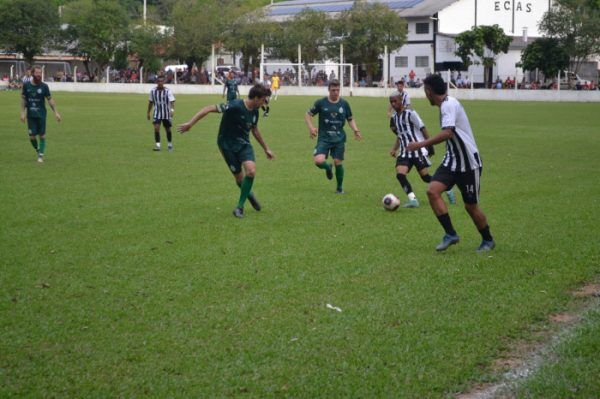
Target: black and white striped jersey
(461,150)
(407,125)
(162,100)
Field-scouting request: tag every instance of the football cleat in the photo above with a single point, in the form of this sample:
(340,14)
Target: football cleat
(447,240)
(254,202)
(486,246)
(339,191)
(329,173)
(40,158)
(412,204)
(451,197)
(238,212)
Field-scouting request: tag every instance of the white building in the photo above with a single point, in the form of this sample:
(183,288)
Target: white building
(433,24)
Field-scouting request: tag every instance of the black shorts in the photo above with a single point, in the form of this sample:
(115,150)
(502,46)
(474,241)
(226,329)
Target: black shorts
(467,182)
(166,122)
(421,162)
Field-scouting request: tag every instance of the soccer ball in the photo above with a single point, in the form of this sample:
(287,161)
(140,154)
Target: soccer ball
(390,202)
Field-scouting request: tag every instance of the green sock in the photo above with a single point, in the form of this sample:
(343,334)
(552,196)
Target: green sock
(42,146)
(324,165)
(239,184)
(339,175)
(34,143)
(245,191)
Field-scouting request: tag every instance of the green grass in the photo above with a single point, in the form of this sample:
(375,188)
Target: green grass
(124,274)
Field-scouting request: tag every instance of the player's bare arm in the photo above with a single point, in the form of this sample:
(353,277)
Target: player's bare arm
(201,114)
(52,104)
(441,136)
(23,109)
(394,149)
(311,129)
(172,109)
(150,104)
(258,137)
(352,123)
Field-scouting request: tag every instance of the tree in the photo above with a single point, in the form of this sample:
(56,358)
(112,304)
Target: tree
(96,28)
(310,30)
(545,54)
(27,26)
(365,29)
(485,42)
(147,44)
(246,34)
(196,28)
(576,24)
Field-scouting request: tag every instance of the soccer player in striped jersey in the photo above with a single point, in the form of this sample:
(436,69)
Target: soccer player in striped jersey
(239,118)
(461,165)
(405,98)
(408,127)
(163,101)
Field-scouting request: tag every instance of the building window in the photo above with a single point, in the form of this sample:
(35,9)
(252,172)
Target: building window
(401,62)
(422,28)
(422,61)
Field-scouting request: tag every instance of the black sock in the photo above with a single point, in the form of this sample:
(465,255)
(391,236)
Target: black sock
(404,183)
(157,137)
(485,233)
(447,224)
(169,135)
(426,178)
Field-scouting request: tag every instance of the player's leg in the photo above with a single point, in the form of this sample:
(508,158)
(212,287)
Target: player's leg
(403,166)
(246,186)
(167,124)
(320,159)
(337,153)
(441,181)
(266,107)
(468,184)
(34,142)
(156,125)
(41,130)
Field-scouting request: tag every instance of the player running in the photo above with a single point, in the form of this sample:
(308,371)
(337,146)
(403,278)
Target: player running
(408,127)
(333,113)
(461,165)
(33,108)
(163,101)
(239,118)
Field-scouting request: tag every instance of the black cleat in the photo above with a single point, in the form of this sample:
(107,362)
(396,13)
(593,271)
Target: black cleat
(254,202)
(238,212)
(329,173)
(339,191)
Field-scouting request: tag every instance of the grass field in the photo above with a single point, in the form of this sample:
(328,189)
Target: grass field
(124,274)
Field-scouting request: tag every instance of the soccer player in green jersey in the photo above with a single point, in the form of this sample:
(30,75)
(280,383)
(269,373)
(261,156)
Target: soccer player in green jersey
(333,113)
(231,87)
(239,118)
(33,108)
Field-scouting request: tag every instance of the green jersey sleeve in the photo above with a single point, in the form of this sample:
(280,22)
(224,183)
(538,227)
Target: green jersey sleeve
(316,108)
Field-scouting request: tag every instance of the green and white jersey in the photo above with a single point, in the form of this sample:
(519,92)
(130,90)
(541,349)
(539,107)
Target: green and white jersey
(231,86)
(332,118)
(236,123)
(35,99)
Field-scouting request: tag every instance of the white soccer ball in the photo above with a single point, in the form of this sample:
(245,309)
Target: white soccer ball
(390,202)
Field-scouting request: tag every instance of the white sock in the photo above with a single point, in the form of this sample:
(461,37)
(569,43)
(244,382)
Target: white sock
(412,196)
(157,145)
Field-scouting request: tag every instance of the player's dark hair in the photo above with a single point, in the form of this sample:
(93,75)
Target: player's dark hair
(333,83)
(436,83)
(259,91)
(159,77)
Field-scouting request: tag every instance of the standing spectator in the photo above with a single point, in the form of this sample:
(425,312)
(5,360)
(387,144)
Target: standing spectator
(163,101)
(411,76)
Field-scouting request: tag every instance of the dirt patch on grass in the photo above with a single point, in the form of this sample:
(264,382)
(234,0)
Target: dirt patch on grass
(525,357)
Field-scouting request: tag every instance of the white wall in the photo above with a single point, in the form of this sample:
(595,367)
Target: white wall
(479,94)
(411,51)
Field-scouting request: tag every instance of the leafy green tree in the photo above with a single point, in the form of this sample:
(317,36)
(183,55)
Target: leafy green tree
(576,24)
(365,29)
(27,26)
(245,35)
(545,54)
(311,30)
(96,28)
(484,42)
(147,43)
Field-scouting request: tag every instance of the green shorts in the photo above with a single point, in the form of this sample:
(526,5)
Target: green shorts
(335,149)
(36,126)
(234,159)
